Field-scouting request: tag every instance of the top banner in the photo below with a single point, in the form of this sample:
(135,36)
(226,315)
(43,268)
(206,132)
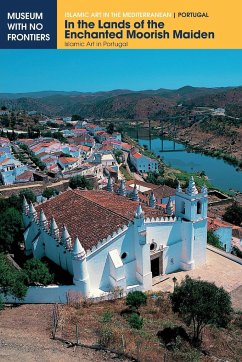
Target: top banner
(121,24)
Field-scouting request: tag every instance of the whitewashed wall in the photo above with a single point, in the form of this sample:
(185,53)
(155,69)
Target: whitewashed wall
(50,294)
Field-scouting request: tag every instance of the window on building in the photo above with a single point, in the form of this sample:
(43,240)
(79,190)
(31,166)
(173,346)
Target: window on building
(199,207)
(153,246)
(183,208)
(124,255)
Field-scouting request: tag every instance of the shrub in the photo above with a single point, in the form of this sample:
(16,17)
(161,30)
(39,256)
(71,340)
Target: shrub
(106,317)
(80,181)
(233,214)
(135,321)
(1,304)
(37,272)
(214,240)
(49,192)
(105,336)
(12,281)
(136,299)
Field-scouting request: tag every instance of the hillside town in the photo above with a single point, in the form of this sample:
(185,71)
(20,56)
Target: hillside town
(107,218)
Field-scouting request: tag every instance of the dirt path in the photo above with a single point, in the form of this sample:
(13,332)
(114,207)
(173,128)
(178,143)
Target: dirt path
(25,336)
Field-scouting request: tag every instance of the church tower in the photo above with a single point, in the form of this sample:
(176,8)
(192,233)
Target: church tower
(191,207)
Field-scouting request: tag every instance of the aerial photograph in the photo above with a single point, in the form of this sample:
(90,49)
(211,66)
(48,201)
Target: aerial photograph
(121,205)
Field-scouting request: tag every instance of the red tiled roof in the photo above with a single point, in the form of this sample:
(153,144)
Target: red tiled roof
(36,148)
(136,155)
(214,224)
(92,215)
(52,167)
(5,140)
(5,161)
(106,148)
(79,130)
(42,154)
(49,159)
(163,191)
(126,145)
(67,160)
(25,175)
(84,148)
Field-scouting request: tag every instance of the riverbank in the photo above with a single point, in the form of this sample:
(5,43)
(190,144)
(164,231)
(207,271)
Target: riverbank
(217,153)
(170,175)
(214,138)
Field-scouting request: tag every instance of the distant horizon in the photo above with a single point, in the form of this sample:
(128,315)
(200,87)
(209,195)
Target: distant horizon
(25,71)
(120,89)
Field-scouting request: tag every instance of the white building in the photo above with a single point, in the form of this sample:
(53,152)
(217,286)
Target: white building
(141,162)
(106,240)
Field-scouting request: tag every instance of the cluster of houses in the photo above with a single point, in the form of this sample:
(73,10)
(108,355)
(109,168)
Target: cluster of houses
(88,151)
(12,171)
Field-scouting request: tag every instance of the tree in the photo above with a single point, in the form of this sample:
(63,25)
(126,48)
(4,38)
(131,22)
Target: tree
(37,272)
(233,214)
(136,299)
(80,181)
(49,192)
(76,117)
(214,240)
(16,201)
(118,155)
(110,128)
(11,226)
(59,136)
(12,281)
(201,303)
(28,194)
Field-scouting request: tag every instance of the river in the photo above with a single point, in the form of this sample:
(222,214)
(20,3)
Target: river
(220,173)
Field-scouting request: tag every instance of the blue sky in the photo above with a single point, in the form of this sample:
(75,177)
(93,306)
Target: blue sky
(90,70)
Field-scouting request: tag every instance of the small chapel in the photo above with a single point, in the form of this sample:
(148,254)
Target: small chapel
(106,239)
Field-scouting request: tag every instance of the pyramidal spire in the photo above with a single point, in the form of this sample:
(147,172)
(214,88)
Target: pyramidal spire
(122,188)
(43,220)
(25,206)
(191,189)
(78,250)
(170,207)
(204,190)
(32,212)
(139,212)
(178,189)
(152,200)
(65,237)
(109,184)
(135,194)
(54,230)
